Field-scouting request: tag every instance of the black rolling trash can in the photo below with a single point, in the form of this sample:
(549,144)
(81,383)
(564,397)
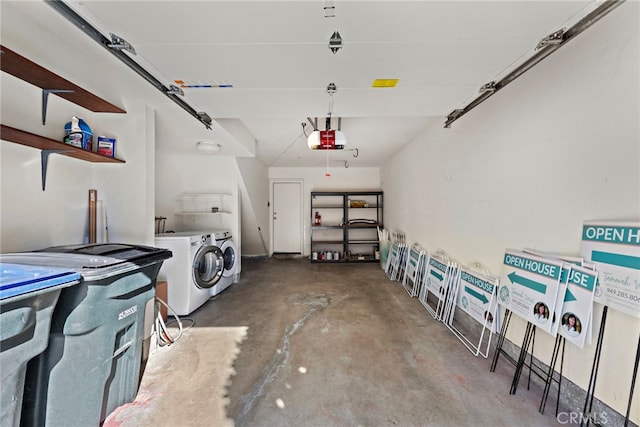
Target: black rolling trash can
(92,363)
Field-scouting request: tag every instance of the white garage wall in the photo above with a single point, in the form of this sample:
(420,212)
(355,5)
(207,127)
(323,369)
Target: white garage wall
(255,217)
(559,146)
(33,219)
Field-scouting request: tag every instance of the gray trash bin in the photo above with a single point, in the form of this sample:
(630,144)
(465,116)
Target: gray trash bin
(92,364)
(28,295)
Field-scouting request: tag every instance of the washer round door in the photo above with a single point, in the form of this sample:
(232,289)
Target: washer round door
(208,266)
(230,255)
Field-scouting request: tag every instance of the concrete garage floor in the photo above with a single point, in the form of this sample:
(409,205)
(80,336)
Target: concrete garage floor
(301,344)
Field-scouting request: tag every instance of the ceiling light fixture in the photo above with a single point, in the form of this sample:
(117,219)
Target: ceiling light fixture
(546,47)
(208,147)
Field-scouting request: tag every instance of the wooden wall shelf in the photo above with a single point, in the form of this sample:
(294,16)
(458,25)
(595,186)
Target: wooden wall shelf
(49,146)
(29,139)
(27,70)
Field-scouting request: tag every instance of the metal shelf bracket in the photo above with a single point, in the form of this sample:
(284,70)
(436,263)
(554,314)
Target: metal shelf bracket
(45,98)
(44,158)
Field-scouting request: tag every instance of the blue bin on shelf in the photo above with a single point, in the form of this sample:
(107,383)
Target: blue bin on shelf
(93,361)
(28,295)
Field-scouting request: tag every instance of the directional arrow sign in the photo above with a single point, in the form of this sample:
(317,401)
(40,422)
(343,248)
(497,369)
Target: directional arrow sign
(436,275)
(616,259)
(568,296)
(476,294)
(531,284)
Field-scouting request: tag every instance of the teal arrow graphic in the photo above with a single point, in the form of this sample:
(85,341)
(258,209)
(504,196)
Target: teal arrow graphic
(437,275)
(531,284)
(616,259)
(568,296)
(481,297)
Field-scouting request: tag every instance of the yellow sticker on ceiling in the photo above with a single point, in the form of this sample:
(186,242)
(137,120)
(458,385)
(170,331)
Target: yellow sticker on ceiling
(384,83)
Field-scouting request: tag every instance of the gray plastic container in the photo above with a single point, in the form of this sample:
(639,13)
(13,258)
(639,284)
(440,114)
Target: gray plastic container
(27,297)
(92,363)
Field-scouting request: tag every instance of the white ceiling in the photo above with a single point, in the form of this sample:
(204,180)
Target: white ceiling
(276,56)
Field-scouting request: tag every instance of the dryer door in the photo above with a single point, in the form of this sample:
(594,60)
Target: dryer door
(230,254)
(208,266)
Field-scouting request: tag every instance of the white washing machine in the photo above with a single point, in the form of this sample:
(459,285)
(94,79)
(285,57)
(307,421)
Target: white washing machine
(223,239)
(195,268)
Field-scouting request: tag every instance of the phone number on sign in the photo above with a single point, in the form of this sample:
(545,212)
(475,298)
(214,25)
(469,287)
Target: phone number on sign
(622,294)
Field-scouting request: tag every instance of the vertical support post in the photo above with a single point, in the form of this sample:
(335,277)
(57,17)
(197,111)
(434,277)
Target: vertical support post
(533,344)
(560,378)
(501,337)
(552,366)
(529,333)
(93,202)
(588,403)
(633,383)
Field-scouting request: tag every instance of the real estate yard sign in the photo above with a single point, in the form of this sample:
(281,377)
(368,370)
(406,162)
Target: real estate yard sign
(562,290)
(477,297)
(529,287)
(614,247)
(436,272)
(577,308)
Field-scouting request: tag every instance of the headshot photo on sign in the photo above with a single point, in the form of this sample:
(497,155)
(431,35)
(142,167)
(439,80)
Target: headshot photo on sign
(488,316)
(541,312)
(571,324)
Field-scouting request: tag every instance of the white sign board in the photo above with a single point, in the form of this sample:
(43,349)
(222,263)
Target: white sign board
(577,307)
(435,276)
(477,297)
(562,290)
(529,287)
(614,247)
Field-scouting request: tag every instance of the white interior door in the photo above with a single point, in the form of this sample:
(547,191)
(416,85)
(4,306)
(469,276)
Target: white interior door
(287,217)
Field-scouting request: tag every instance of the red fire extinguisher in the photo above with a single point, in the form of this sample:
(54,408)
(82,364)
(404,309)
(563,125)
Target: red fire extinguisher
(316,219)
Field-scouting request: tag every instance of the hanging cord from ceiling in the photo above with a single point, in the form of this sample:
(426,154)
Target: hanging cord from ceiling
(546,47)
(303,124)
(331,90)
(117,46)
(327,173)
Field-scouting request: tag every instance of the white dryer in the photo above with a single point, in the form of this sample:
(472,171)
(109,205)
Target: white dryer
(223,240)
(195,268)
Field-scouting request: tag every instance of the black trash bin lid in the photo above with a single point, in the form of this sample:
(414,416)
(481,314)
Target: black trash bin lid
(136,254)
